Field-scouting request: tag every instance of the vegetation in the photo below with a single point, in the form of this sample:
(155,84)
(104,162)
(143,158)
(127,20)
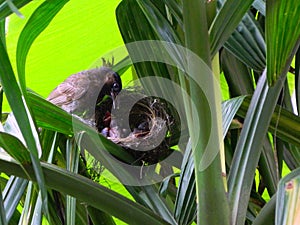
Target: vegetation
(230,167)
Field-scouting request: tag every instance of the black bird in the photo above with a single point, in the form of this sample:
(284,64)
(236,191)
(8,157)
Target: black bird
(81,93)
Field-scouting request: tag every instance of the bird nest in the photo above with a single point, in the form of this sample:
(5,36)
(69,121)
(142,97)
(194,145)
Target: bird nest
(146,127)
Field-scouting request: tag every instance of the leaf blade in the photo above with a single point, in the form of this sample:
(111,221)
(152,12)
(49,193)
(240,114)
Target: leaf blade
(38,22)
(282,36)
(89,192)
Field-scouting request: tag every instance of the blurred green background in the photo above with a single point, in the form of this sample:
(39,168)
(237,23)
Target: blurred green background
(79,35)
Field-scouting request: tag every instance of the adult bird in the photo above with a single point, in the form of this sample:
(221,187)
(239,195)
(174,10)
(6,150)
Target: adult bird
(81,93)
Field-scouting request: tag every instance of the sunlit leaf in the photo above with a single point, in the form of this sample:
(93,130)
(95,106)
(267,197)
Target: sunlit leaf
(90,193)
(23,117)
(38,22)
(50,116)
(10,144)
(282,36)
(288,199)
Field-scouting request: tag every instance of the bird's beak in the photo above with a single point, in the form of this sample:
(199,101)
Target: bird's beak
(113,96)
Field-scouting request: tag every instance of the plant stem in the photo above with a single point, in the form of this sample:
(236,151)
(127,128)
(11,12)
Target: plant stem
(205,120)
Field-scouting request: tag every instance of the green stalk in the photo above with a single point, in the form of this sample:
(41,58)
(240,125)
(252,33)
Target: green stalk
(204,121)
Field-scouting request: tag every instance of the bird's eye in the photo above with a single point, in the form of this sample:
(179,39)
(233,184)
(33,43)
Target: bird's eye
(116,87)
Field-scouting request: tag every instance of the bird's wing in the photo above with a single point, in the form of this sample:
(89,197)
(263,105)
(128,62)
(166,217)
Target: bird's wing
(73,88)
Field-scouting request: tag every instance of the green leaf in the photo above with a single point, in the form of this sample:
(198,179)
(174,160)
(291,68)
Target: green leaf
(268,167)
(100,218)
(297,79)
(260,5)
(14,9)
(287,202)
(158,21)
(267,215)
(72,161)
(38,22)
(284,123)
(157,204)
(247,43)
(54,118)
(249,147)
(29,204)
(185,205)
(226,21)
(140,21)
(229,109)
(282,36)
(2,32)
(164,188)
(21,112)
(37,213)
(237,74)
(2,211)
(11,144)
(12,194)
(5,10)
(50,116)
(89,192)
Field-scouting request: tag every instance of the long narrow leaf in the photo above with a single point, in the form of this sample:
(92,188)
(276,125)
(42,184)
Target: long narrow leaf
(5,9)
(2,211)
(285,124)
(247,43)
(3,32)
(28,206)
(297,79)
(11,144)
(229,109)
(267,214)
(282,36)
(100,218)
(72,160)
(12,194)
(249,147)
(235,73)
(185,205)
(260,5)
(38,211)
(89,192)
(268,167)
(38,22)
(21,112)
(226,21)
(50,116)
(287,202)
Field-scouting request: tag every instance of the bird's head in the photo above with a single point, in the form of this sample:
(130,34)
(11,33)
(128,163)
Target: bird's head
(112,84)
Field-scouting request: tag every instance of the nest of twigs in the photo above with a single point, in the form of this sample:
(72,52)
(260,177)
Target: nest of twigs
(144,126)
